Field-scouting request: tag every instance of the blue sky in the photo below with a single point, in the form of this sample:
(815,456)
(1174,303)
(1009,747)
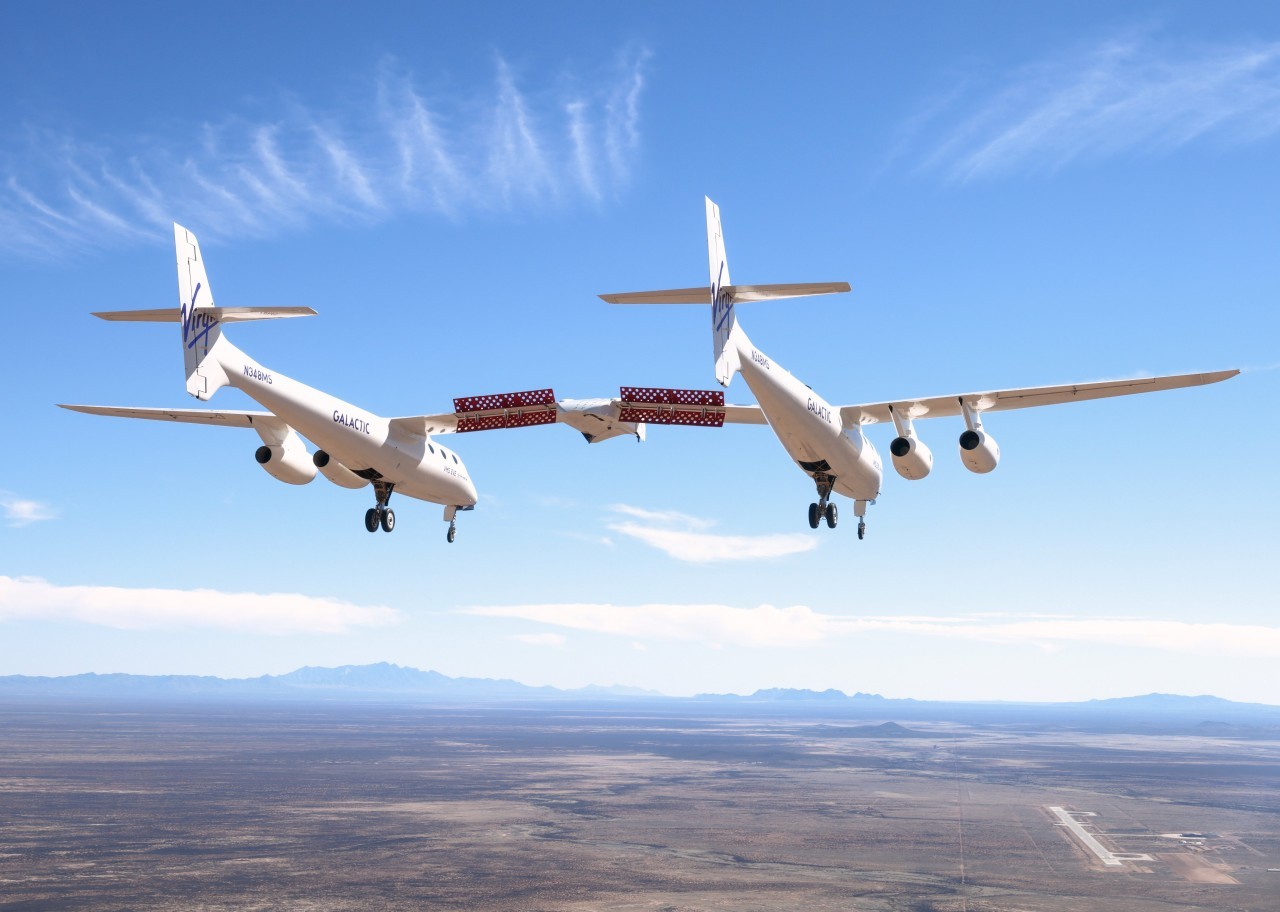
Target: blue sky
(1019,194)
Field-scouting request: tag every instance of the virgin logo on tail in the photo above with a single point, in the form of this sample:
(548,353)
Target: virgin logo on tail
(195,326)
(721,303)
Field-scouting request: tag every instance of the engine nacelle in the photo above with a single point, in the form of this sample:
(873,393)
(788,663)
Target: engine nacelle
(979,451)
(336,472)
(289,463)
(911,458)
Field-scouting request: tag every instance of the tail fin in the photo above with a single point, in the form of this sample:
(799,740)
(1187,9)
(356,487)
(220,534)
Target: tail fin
(201,326)
(727,338)
(723,319)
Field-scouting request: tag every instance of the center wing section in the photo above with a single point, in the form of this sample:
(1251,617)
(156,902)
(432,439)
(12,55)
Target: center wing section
(596,419)
(1002,400)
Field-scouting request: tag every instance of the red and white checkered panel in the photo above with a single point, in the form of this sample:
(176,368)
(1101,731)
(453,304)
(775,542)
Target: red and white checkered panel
(504,401)
(662,396)
(505,410)
(693,408)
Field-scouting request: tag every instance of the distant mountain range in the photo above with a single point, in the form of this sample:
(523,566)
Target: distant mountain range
(348,681)
(387,682)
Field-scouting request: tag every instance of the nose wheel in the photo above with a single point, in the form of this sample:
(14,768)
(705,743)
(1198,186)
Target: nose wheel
(450,516)
(381,514)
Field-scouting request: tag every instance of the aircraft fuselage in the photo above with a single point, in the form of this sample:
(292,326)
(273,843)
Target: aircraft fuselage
(809,427)
(417,466)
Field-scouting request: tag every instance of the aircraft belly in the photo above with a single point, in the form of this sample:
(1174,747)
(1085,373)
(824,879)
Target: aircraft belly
(785,403)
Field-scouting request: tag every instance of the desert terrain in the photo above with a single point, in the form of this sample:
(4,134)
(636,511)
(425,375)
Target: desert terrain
(620,806)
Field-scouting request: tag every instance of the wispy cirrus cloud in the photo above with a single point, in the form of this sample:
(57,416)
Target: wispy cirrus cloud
(798,625)
(512,143)
(19,511)
(1131,95)
(687,538)
(29,598)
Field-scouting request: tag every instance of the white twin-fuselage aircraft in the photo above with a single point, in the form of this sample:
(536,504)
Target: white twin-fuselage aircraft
(356,447)
(827,441)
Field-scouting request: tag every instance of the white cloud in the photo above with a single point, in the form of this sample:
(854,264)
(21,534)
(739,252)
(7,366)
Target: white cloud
(798,625)
(28,598)
(21,512)
(541,639)
(513,143)
(762,626)
(1126,96)
(664,517)
(685,538)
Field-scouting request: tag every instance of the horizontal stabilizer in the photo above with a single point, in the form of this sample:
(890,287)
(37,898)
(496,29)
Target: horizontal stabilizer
(223,314)
(740,294)
(700,295)
(657,405)
(743,294)
(505,410)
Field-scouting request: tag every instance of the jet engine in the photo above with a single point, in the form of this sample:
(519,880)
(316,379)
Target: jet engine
(336,472)
(978,451)
(911,458)
(289,461)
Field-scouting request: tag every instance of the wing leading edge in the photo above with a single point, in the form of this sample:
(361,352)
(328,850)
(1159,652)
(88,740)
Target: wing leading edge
(1003,400)
(187,416)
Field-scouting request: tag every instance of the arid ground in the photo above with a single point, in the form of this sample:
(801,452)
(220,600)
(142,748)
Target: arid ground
(615,806)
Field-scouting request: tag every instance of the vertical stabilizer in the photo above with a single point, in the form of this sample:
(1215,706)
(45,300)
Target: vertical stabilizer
(723,319)
(201,329)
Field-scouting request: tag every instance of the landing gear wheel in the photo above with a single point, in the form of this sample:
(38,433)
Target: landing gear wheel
(388,520)
(814,516)
(862,530)
(451,534)
(832,515)
(371,519)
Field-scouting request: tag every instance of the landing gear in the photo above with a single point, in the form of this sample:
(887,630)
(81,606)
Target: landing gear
(450,516)
(823,508)
(860,510)
(380,515)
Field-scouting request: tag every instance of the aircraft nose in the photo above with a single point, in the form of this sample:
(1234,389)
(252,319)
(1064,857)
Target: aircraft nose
(468,497)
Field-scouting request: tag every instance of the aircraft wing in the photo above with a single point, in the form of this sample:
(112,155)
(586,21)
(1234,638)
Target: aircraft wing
(271,429)
(188,416)
(595,419)
(744,414)
(426,425)
(1001,400)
